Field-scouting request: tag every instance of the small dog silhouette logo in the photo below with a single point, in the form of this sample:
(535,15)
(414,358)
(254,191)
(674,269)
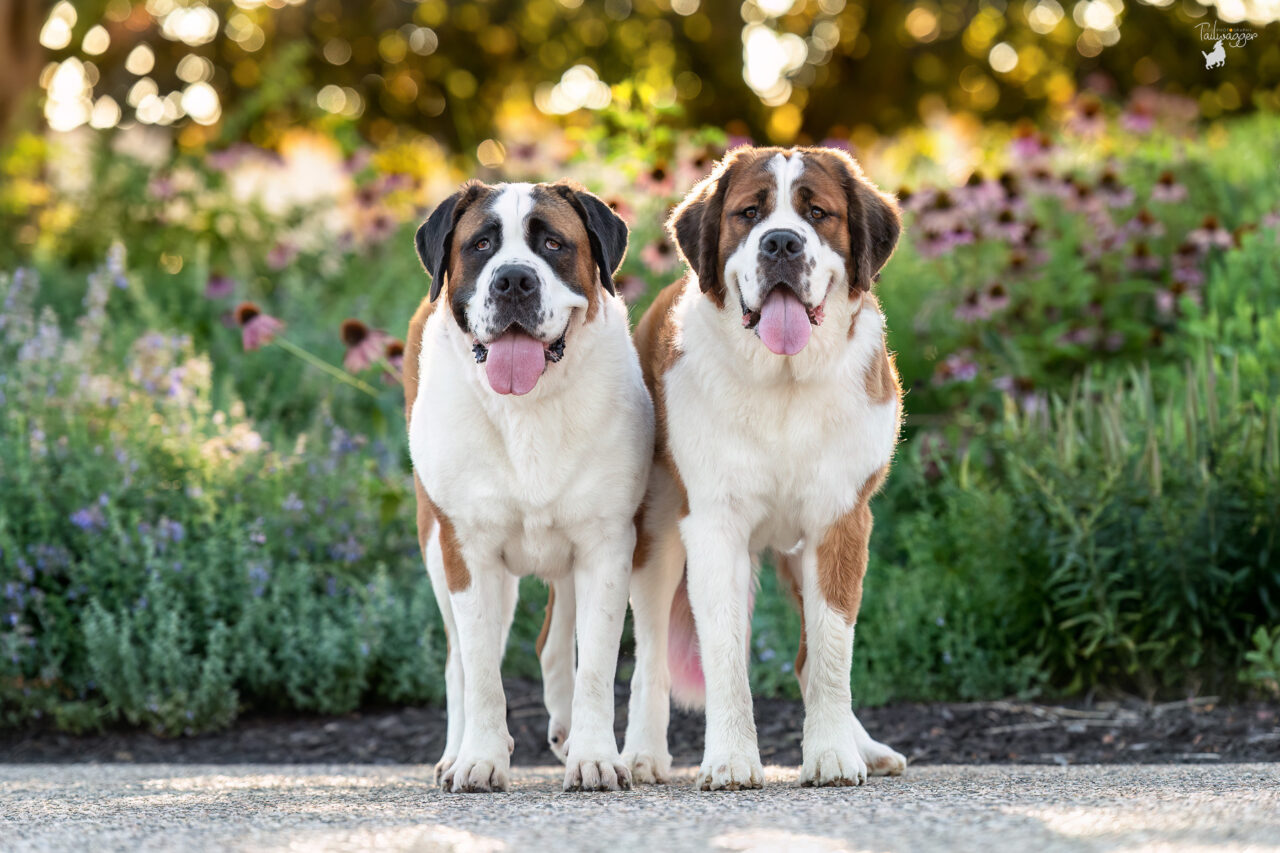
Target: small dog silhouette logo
(1216,57)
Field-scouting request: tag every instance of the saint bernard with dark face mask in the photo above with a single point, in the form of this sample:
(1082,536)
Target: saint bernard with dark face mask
(531,433)
(777,413)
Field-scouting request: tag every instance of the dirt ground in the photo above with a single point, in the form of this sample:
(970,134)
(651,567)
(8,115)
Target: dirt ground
(975,733)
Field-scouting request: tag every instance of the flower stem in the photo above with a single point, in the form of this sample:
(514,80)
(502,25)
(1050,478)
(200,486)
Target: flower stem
(320,364)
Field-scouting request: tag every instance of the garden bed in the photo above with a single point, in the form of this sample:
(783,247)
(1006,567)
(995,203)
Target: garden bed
(1126,732)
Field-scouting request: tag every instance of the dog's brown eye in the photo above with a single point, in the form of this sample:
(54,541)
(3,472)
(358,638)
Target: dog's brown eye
(750,213)
(553,244)
(816,213)
(482,244)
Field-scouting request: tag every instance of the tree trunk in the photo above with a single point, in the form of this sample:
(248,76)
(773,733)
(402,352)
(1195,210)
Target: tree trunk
(20,55)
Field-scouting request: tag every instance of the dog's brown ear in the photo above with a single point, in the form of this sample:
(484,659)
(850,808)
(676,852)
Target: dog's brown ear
(695,227)
(874,225)
(434,240)
(606,231)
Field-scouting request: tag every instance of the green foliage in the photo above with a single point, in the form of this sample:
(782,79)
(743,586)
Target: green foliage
(1263,662)
(188,531)
(164,565)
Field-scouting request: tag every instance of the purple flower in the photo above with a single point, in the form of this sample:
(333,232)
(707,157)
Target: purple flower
(971,308)
(281,255)
(957,367)
(1167,189)
(256,329)
(219,286)
(1210,235)
(1144,224)
(364,345)
(1142,260)
(89,519)
(1138,118)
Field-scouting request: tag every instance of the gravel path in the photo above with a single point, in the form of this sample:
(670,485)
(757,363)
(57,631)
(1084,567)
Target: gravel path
(353,807)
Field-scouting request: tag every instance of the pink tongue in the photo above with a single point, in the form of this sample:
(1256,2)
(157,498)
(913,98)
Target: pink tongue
(515,363)
(784,322)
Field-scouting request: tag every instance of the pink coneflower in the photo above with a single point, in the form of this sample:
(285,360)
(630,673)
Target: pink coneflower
(971,308)
(364,345)
(1211,234)
(395,357)
(1142,260)
(1144,224)
(219,286)
(1080,336)
(1114,193)
(659,256)
(281,255)
(1028,143)
(631,287)
(619,206)
(932,243)
(1007,227)
(996,298)
(658,180)
(957,367)
(1138,118)
(256,329)
(1086,117)
(1167,189)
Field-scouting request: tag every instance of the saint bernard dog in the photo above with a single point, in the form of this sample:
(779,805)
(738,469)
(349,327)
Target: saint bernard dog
(531,434)
(778,408)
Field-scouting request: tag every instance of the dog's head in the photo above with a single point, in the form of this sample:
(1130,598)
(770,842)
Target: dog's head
(776,231)
(516,262)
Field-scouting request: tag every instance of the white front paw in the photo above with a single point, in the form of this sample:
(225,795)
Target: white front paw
(730,771)
(882,760)
(596,771)
(832,768)
(442,767)
(648,767)
(473,773)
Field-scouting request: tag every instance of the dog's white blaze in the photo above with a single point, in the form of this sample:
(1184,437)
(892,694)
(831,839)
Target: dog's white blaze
(513,206)
(827,270)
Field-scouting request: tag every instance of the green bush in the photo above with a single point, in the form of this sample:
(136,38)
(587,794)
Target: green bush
(165,565)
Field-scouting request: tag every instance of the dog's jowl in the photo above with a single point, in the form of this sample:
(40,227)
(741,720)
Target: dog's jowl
(777,413)
(530,430)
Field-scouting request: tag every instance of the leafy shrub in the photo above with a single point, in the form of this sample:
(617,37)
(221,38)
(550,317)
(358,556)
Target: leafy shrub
(165,565)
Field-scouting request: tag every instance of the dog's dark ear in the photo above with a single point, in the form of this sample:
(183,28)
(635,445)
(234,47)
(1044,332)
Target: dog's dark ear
(434,240)
(605,230)
(695,227)
(874,225)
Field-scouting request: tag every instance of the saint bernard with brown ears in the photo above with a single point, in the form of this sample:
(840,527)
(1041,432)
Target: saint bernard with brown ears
(531,434)
(777,413)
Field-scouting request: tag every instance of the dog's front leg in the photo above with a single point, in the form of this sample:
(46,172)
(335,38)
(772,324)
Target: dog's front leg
(600,579)
(719,578)
(837,750)
(484,758)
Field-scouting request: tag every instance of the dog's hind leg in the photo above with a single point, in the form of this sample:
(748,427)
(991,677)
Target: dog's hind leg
(556,654)
(656,573)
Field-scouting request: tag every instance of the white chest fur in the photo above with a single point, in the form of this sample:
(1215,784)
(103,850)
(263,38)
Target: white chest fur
(784,444)
(518,476)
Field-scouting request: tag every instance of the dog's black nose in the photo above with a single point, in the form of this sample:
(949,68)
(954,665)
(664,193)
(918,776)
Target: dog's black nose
(782,244)
(514,282)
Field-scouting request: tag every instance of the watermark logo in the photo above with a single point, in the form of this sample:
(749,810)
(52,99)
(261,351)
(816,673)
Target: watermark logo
(1222,38)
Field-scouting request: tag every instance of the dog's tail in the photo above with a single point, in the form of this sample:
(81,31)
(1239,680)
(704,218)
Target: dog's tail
(688,684)
(684,659)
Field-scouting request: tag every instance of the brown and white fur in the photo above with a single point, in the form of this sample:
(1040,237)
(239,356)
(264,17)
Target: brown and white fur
(528,468)
(758,450)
